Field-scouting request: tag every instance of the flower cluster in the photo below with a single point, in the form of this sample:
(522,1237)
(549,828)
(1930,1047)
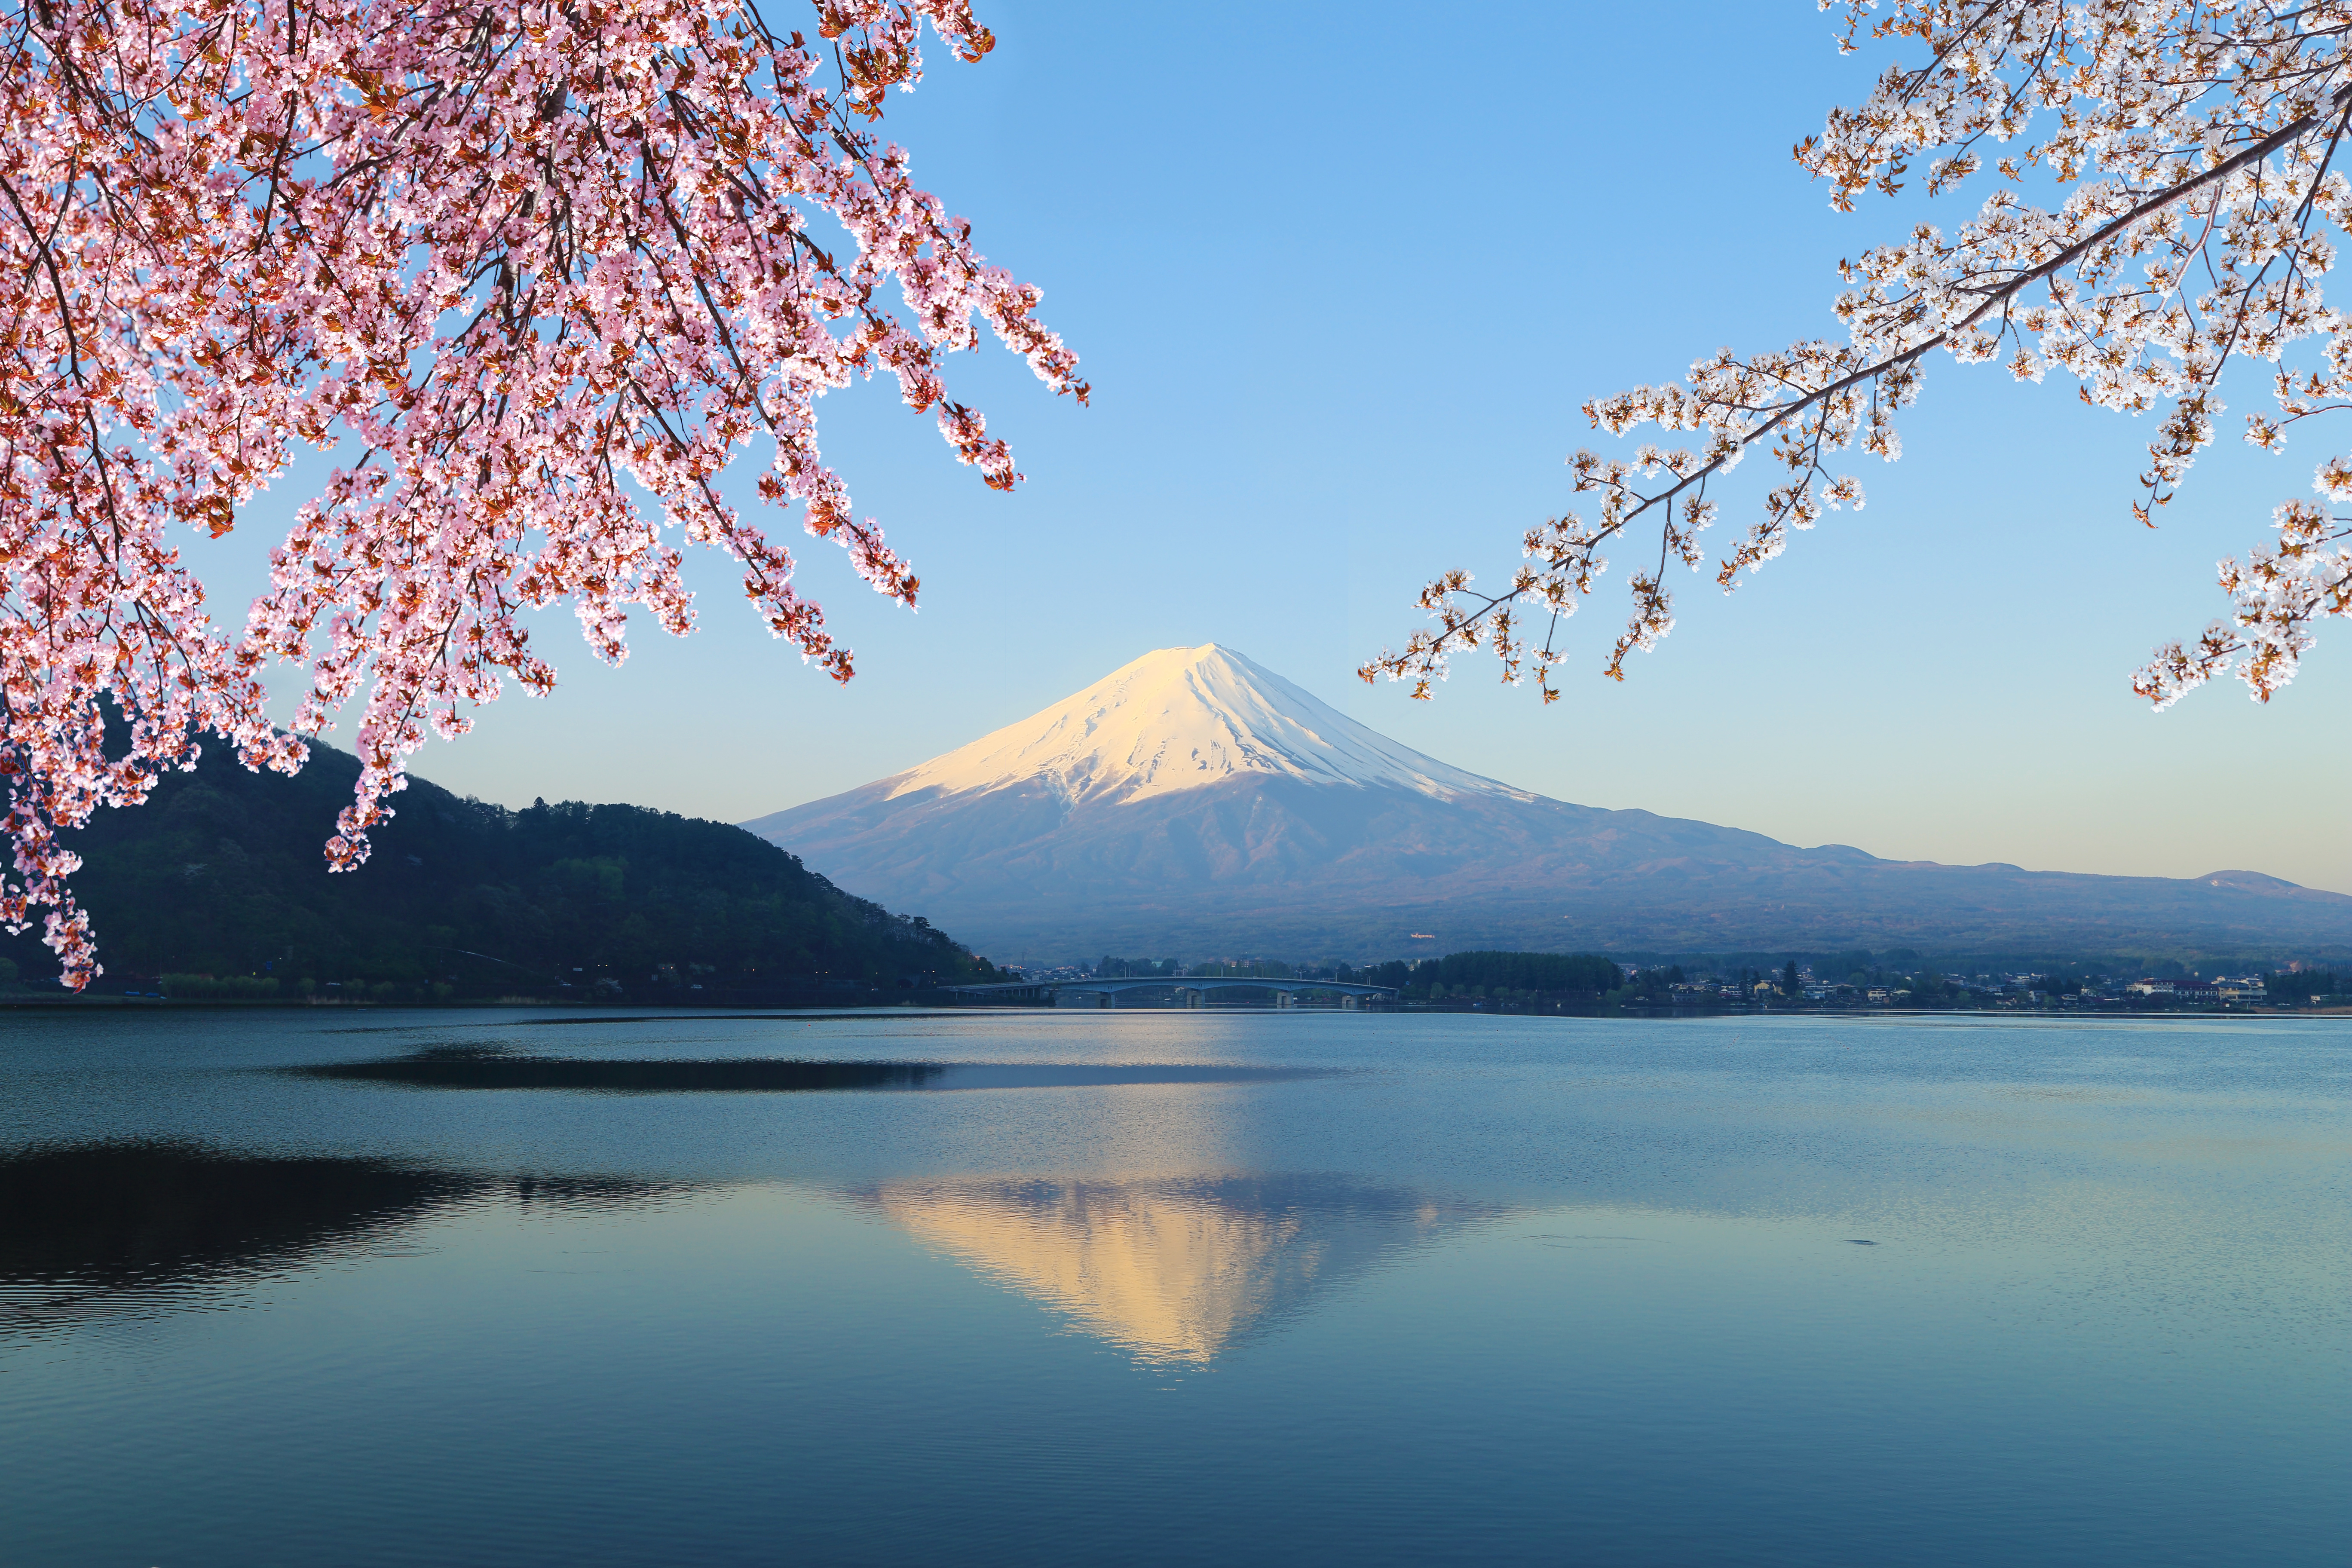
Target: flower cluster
(2199,139)
(541,269)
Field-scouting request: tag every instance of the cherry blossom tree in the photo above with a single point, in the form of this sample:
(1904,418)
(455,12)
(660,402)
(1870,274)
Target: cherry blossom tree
(500,260)
(2195,144)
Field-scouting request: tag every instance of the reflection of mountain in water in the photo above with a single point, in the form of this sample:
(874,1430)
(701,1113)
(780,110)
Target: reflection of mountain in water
(98,1228)
(1175,1270)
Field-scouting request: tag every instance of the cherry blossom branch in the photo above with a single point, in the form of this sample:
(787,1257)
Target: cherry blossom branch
(2128,93)
(517,256)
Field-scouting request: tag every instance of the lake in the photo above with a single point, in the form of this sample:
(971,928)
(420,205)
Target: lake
(355,1287)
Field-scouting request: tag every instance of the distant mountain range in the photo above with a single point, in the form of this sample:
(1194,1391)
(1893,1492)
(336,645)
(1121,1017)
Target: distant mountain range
(1195,804)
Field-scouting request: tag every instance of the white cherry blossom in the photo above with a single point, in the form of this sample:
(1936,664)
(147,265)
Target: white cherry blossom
(2195,143)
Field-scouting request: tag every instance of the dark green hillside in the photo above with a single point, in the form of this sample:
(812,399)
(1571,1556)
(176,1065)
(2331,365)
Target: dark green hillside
(219,875)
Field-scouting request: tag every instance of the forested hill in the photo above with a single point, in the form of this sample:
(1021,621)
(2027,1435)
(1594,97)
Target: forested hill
(220,875)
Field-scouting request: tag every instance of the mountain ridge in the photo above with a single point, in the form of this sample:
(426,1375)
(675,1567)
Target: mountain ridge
(219,875)
(1069,833)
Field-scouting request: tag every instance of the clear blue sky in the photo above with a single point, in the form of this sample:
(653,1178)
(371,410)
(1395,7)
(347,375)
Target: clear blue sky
(1342,276)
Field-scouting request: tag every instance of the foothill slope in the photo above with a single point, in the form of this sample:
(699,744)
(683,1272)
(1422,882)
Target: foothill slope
(218,881)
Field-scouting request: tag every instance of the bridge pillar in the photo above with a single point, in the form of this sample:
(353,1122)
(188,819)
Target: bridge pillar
(1349,1001)
(1286,998)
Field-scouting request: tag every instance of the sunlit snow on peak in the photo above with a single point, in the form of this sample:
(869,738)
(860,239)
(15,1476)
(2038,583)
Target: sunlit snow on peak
(1182,717)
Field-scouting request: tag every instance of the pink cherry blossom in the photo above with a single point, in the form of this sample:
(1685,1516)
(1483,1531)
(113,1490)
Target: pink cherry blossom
(503,261)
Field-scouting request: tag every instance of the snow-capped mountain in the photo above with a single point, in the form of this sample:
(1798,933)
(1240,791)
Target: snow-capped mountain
(1181,719)
(1195,804)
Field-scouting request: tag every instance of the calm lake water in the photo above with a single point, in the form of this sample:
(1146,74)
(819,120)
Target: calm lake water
(359,1287)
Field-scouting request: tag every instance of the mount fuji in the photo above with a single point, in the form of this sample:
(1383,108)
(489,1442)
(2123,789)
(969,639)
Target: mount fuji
(1195,804)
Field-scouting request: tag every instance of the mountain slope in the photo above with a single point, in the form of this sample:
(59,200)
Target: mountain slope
(220,874)
(1195,803)
(1180,720)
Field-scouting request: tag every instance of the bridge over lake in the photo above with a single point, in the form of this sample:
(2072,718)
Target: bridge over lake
(1191,990)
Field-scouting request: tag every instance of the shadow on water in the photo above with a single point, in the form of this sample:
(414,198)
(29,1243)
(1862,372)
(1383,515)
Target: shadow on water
(101,1229)
(701,1017)
(476,1066)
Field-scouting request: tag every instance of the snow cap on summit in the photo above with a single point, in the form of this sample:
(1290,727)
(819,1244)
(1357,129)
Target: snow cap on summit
(1182,717)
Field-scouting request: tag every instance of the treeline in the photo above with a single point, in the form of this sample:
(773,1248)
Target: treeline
(1651,980)
(1464,974)
(2304,984)
(1579,975)
(1111,968)
(218,883)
